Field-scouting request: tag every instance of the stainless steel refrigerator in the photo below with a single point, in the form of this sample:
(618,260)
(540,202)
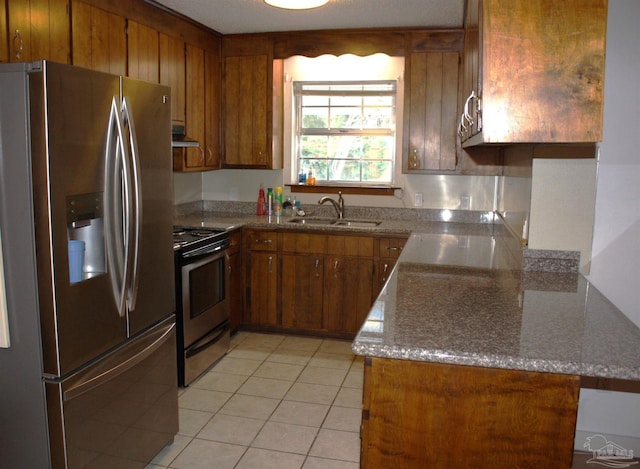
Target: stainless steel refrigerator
(89,376)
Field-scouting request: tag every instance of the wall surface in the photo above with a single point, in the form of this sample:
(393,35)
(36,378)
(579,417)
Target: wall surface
(615,265)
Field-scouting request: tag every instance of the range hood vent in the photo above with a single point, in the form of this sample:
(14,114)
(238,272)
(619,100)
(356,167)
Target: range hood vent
(180,140)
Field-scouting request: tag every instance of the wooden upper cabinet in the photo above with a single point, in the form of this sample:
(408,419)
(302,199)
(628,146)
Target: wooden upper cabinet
(212,109)
(99,39)
(202,112)
(245,98)
(431,93)
(36,29)
(172,74)
(4,45)
(143,55)
(544,84)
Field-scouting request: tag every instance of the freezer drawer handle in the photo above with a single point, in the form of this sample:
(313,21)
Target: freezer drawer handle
(96,376)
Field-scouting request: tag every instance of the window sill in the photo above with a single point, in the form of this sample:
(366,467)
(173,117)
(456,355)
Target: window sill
(346,189)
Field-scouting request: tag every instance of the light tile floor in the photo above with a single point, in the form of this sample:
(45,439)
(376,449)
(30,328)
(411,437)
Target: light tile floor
(273,401)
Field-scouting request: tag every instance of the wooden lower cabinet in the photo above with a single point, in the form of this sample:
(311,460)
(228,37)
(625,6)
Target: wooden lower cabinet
(236,280)
(302,289)
(348,293)
(327,282)
(419,414)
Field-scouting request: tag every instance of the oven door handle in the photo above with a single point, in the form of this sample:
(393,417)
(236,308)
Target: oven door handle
(207,341)
(205,250)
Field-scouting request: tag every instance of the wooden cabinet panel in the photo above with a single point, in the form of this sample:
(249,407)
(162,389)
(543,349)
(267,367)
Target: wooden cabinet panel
(302,289)
(194,124)
(172,74)
(4,45)
(212,109)
(143,54)
(419,414)
(246,119)
(545,84)
(348,293)
(236,280)
(36,29)
(431,112)
(263,288)
(99,39)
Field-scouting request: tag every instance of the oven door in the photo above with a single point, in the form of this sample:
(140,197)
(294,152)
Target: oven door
(205,295)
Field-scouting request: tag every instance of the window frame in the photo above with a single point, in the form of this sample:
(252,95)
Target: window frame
(341,90)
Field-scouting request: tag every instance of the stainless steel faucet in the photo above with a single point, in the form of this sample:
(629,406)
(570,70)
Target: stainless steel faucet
(339,205)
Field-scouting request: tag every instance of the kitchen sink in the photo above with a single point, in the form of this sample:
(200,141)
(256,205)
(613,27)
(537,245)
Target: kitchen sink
(336,222)
(313,221)
(358,223)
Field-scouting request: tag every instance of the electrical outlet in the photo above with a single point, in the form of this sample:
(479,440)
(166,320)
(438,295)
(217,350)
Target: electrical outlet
(418,199)
(465,202)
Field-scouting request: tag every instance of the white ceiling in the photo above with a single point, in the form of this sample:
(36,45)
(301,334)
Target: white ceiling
(251,16)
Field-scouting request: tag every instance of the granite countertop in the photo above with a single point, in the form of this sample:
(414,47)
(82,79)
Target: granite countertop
(463,299)
(459,295)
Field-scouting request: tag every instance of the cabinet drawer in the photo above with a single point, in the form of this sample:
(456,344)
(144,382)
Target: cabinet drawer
(303,243)
(357,246)
(258,240)
(391,248)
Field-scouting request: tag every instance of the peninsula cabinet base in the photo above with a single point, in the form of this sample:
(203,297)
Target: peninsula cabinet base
(430,415)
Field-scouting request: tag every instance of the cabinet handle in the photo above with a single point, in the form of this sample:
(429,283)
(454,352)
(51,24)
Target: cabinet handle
(201,154)
(336,264)
(209,155)
(414,160)
(317,267)
(263,241)
(394,248)
(18,50)
(270,264)
(384,271)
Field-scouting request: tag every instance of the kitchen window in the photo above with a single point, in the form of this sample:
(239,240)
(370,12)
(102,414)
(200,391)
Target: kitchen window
(345,131)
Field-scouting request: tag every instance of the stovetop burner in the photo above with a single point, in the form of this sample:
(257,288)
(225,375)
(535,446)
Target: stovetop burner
(184,236)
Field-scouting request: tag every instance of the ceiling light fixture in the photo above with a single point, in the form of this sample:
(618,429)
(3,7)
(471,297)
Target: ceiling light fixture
(296,4)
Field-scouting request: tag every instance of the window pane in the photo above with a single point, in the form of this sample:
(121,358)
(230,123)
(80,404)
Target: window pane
(377,171)
(346,118)
(345,170)
(315,117)
(346,101)
(313,146)
(379,148)
(378,118)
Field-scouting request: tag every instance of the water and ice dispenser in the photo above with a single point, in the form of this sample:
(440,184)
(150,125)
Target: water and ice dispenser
(85,235)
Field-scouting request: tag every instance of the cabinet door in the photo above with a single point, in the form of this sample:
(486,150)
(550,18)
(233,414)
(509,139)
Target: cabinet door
(263,297)
(212,110)
(245,97)
(431,109)
(37,29)
(194,125)
(143,55)
(236,280)
(348,293)
(4,45)
(99,39)
(302,291)
(172,74)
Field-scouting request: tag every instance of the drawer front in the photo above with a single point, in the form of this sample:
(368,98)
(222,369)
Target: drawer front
(391,248)
(259,240)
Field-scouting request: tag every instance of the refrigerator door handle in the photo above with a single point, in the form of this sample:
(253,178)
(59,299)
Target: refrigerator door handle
(117,208)
(117,363)
(135,216)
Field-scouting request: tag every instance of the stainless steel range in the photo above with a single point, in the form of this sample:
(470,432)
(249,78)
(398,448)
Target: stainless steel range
(202,299)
